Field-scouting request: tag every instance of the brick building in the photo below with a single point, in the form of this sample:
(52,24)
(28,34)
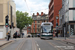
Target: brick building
(54,7)
(37,20)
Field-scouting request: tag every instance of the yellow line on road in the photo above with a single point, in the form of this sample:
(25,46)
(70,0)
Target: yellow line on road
(20,45)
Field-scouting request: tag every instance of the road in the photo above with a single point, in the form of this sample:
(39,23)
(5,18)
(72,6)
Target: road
(38,44)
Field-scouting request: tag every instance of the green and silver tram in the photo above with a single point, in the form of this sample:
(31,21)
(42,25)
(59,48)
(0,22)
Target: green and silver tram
(46,30)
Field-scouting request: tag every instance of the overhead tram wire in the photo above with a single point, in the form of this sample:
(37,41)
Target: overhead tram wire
(39,10)
(33,11)
(28,7)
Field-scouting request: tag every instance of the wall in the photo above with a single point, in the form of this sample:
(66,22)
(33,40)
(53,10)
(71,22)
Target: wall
(57,7)
(25,33)
(3,13)
(70,15)
(70,3)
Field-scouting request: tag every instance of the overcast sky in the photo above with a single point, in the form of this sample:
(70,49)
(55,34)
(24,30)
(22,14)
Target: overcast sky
(32,6)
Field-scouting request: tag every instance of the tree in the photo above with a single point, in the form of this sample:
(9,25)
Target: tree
(23,20)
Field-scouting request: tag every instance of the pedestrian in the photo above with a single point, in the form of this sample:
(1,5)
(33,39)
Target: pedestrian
(8,36)
(57,34)
(22,35)
(15,35)
(18,35)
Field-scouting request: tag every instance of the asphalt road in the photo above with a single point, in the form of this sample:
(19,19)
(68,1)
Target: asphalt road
(38,44)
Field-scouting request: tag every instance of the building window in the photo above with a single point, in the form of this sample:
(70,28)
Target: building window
(38,21)
(34,26)
(28,29)
(28,32)
(34,21)
(38,30)
(38,26)
(34,30)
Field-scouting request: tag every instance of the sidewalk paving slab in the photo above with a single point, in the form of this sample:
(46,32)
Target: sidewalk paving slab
(4,41)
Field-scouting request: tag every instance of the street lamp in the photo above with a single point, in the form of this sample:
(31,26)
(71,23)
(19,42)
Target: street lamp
(56,24)
(56,21)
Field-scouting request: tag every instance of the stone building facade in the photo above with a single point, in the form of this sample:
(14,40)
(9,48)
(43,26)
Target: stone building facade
(7,7)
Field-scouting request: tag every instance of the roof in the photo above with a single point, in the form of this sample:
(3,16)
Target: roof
(40,15)
(46,23)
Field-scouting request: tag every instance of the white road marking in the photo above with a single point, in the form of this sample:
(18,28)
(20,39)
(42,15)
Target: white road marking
(39,49)
(37,45)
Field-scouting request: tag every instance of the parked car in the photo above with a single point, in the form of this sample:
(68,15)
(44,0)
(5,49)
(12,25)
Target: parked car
(28,36)
(18,36)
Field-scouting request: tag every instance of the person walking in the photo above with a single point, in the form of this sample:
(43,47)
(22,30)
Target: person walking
(22,35)
(57,34)
(15,34)
(8,36)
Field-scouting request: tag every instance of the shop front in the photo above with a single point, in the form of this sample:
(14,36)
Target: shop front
(69,29)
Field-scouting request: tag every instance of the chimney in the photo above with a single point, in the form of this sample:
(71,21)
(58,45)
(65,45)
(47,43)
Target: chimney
(37,13)
(33,14)
(41,13)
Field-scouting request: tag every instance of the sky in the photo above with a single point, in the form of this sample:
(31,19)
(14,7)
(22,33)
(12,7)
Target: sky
(32,6)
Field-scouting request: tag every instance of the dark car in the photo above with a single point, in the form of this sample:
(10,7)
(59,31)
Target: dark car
(28,36)
(18,35)
(14,36)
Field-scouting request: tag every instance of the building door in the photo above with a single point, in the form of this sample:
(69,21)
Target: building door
(1,35)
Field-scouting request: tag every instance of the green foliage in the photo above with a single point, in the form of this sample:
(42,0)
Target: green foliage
(23,20)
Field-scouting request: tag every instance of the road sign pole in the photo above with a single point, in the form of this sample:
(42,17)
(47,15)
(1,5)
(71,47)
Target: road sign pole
(6,33)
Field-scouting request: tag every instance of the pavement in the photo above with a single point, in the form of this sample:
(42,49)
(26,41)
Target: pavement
(4,41)
(68,40)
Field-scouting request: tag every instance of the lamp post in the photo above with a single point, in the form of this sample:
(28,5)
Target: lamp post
(56,21)
(57,25)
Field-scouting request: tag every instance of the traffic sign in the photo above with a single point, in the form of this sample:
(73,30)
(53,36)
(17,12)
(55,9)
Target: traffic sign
(6,25)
